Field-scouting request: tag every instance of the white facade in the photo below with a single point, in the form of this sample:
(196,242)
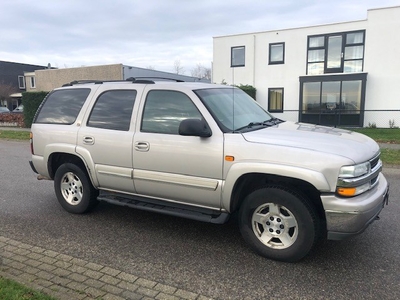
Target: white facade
(366,74)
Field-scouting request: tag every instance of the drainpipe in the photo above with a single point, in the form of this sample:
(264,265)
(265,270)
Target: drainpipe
(254,60)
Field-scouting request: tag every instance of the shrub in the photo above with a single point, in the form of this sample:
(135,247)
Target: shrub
(31,102)
(249,89)
(10,119)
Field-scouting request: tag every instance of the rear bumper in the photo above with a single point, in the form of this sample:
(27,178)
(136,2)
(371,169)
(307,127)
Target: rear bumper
(33,167)
(346,217)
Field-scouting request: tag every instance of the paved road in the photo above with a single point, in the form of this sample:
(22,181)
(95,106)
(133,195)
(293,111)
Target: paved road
(204,259)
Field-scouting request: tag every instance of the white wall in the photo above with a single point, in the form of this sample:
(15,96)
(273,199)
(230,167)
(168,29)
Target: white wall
(381,61)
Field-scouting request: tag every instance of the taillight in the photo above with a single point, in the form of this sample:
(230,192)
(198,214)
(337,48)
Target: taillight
(31,142)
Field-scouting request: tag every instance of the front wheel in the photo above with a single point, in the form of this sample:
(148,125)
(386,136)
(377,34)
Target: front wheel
(74,190)
(279,223)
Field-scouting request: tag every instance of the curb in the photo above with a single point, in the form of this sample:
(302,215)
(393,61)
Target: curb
(68,278)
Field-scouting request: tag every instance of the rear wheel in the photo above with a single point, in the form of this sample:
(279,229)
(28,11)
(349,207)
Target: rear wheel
(279,223)
(74,190)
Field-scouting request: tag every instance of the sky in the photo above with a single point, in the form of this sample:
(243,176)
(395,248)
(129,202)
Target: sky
(155,34)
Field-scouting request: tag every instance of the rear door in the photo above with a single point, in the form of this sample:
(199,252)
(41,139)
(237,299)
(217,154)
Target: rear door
(107,135)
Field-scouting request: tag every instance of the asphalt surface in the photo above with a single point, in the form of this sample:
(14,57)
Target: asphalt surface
(205,259)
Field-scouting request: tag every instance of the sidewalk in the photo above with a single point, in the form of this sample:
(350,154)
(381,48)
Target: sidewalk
(68,278)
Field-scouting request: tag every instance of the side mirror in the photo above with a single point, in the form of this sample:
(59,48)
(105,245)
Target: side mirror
(194,127)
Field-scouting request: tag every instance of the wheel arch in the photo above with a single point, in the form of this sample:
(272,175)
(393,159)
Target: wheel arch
(250,182)
(56,159)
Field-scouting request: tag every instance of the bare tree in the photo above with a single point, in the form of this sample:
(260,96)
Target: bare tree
(178,69)
(6,90)
(201,72)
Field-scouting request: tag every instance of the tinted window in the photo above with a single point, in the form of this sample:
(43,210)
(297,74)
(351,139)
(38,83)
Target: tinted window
(164,111)
(113,110)
(62,106)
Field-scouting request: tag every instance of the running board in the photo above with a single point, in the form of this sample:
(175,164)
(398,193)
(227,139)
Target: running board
(167,208)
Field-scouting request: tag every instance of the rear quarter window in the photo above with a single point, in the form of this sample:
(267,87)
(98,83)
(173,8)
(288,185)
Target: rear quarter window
(62,106)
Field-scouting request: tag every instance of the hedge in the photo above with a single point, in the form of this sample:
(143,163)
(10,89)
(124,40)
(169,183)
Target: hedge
(31,102)
(249,89)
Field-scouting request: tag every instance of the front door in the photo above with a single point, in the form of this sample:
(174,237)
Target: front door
(185,169)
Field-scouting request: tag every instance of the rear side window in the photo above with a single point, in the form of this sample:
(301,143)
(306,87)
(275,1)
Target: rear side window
(113,110)
(62,106)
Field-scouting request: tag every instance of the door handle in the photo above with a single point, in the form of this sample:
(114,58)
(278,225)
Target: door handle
(88,140)
(142,146)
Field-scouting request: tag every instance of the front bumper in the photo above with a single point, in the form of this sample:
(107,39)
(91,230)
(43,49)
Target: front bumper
(351,216)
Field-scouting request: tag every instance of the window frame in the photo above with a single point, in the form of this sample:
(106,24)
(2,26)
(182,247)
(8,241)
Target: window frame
(276,62)
(33,82)
(244,56)
(269,99)
(345,45)
(21,82)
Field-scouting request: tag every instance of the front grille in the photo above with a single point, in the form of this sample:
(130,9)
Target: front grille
(374,161)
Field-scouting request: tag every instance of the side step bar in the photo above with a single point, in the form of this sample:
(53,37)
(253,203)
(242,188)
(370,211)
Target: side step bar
(167,208)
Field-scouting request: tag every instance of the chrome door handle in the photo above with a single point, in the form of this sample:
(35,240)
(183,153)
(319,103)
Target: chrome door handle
(88,140)
(142,146)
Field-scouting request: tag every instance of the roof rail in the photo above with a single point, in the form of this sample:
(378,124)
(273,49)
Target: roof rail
(135,79)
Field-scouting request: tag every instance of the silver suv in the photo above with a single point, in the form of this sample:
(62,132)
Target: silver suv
(204,152)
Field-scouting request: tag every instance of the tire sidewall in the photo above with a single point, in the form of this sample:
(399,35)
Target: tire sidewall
(303,212)
(88,194)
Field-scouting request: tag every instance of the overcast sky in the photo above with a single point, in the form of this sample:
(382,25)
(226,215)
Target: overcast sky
(151,33)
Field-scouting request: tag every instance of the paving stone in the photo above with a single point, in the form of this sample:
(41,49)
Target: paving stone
(94,283)
(94,267)
(145,283)
(45,275)
(95,292)
(50,253)
(48,260)
(163,296)
(77,277)
(186,295)
(165,288)
(131,295)
(112,289)
(112,297)
(79,262)
(19,258)
(128,286)
(35,256)
(109,279)
(46,267)
(127,277)
(110,271)
(147,292)
(93,274)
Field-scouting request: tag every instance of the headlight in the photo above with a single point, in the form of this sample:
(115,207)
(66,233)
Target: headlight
(354,171)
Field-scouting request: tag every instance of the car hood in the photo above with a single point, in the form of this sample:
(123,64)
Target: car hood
(345,143)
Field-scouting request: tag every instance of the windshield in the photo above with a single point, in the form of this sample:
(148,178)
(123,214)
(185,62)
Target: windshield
(234,110)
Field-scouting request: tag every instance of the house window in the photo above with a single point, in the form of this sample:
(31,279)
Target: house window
(336,53)
(335,100)
(237,56)
(33,82)
(21,82)
(275,99)
(276,53)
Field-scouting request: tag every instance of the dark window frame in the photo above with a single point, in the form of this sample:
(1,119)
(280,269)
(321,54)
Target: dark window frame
(233,64)
(269,99)
(345,45)
(276,62)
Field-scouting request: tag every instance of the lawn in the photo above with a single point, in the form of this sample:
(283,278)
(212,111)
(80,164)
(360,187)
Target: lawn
(11,290)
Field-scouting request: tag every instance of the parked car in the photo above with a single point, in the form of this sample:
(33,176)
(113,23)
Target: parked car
(19,109)
(4,109)
(205,152)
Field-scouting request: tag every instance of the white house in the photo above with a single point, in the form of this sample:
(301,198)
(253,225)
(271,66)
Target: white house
(342,74)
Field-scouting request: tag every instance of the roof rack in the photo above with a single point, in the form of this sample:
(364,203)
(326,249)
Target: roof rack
(144,80)
(135,79)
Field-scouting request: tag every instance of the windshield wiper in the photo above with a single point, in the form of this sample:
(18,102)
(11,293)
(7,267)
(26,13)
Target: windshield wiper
(267,123)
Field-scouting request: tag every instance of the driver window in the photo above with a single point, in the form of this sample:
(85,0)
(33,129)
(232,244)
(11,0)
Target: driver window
(164,111)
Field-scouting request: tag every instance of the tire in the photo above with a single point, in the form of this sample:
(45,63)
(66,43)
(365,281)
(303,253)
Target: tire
(74,190)
(279,223)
